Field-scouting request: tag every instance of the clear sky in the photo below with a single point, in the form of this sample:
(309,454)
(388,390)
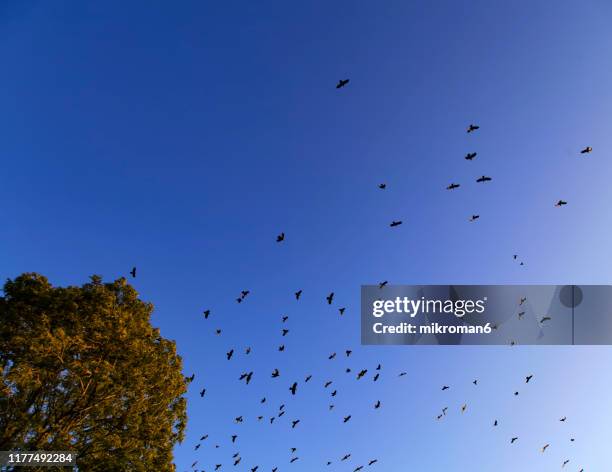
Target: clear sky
(182,137)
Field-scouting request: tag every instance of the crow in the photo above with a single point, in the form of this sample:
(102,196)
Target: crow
(377,404)
(229,354)
(206,314)
(395,223)
(453,186)
(133,272)
(560,203)
(445,387)
(202,392)
(382,186)
(362,373)
(483,178)
(471,155)
(383,284)
(341,310)
(346,418)
(298,294)
(586,150)
(275,373)
(280,238)
(294,423)
(513,440)
(472,128)
(474,217)
(293,388)
(341,83)
(330,298)
(545,447)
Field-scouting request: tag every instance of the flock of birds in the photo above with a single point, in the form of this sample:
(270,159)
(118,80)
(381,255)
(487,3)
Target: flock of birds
(293,388)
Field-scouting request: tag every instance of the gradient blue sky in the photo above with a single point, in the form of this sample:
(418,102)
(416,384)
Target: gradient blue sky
(181,137)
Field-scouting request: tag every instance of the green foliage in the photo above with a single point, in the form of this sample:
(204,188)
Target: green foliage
(84,370)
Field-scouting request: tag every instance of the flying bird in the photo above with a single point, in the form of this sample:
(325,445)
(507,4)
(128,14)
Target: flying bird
(382,186)
(471,155)
(293,388)
(513,440)
(280,238)
(383,284)
(586,150)
(206,314)
(341,83)
(395,223)
(483,178)
(474,217)
(546,446)
(453,186)
(347,418)
(275,373)
(560,203)
(133,272)
(342,310)
(330,298)
(472,128)
(298,294)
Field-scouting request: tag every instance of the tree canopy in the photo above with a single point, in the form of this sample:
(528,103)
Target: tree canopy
(83,370)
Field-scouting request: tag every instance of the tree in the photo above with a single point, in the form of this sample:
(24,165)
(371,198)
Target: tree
(83,370)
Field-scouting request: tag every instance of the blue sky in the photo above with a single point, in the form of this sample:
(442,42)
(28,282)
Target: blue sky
(183,137)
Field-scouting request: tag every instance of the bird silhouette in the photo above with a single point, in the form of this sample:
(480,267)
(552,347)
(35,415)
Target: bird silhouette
(377,404)
(472,128)
(395,223)
(545,447)
(341,83)
(586,150)
(294,423)
(298,294)
(229,354)
(346,419)
(453,186)
(383,284)
(275,373)
(293,388)
(341,310)
(513,440)
(483,178)
(382,186)
(471,155)
(330,298)
(206,314)
(133,272)
(560,203)
(202,392)
(280,238)
(474,217)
